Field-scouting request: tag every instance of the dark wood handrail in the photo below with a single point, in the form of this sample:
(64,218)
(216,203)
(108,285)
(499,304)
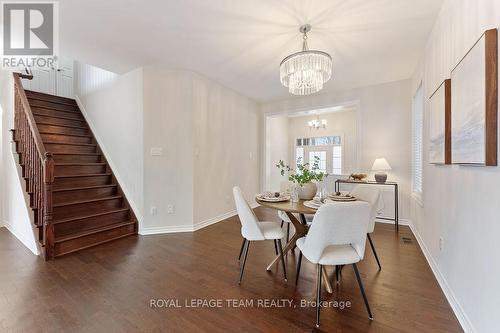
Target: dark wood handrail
(29,115)
(37,162)
(28,75)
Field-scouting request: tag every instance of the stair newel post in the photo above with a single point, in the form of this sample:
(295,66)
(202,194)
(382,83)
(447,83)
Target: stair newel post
(48,226)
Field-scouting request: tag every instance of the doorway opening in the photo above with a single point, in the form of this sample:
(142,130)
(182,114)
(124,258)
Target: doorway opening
(330,134)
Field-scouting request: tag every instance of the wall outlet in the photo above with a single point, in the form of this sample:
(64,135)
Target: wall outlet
(170,209)
(441,243)
(156,151)
(153,210)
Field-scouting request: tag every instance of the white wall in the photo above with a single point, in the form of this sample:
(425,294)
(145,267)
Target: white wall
(15,212)
(276,149)
(384,129)
(168,179)
(226,148)
(113,107)
(460,203)
(209,136)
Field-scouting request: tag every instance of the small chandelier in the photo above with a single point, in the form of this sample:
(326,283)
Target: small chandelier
(317,124)
(306,71)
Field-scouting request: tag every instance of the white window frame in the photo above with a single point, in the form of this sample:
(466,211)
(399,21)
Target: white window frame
(329,161)
(418,111)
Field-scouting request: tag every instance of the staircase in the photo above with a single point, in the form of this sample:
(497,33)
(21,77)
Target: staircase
(76,199)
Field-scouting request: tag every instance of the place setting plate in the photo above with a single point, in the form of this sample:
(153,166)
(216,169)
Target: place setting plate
(341,197)
(312,204)
(316,203)
(334,197)
(273,197)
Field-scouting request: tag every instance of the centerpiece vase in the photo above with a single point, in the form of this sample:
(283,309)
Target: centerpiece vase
(307,191)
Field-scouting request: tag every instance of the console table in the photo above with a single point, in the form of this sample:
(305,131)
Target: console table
(371,182)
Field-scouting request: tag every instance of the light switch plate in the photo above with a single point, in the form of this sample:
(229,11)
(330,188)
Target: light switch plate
(156,151)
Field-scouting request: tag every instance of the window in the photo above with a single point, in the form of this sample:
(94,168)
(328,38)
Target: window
(299,157)
(337,160)
(418,124)
(322,160)
(327,148)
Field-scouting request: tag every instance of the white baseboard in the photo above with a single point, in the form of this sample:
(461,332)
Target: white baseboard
(165,230)
(108,159)
(190,228)
(401,221)
(448,292)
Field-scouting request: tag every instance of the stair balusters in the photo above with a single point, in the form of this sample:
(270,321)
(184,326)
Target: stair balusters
(37,166)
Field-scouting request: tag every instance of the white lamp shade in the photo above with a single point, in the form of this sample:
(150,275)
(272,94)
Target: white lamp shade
(381,164)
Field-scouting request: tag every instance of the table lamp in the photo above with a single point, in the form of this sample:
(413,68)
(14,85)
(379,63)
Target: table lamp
(380,165)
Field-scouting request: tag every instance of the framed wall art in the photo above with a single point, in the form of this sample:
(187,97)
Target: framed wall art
(474,101)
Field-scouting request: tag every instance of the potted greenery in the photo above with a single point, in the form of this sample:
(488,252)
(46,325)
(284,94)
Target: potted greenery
(304,177)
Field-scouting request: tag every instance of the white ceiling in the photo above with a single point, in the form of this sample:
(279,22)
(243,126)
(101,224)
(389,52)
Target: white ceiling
(241,43)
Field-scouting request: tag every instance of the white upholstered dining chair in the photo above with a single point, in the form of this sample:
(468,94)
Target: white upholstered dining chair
(254,230)
(337,236)
(370,194)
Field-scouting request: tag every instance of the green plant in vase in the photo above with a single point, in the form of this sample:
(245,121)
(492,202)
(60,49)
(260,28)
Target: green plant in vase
(304,176)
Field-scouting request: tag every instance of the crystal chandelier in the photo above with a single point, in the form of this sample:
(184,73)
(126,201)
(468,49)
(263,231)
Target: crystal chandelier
(306,71)
(317,124)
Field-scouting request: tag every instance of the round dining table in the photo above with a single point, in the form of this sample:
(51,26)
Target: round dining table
(301,227)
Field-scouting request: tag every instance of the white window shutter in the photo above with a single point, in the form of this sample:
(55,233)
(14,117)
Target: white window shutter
(418,126)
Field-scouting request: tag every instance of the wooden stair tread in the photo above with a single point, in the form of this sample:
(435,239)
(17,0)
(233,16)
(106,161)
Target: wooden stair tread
(70,143)
(77,154)
(51,109)
(59,254)
(85,175)
(55,101)
(111,211)
(84,188)
(63,134)
(61,125)
(84,164)
(49,98)
(81,201)
(58,117)
(92,231)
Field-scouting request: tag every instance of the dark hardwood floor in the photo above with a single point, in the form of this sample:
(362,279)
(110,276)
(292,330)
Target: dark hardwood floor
(108,288)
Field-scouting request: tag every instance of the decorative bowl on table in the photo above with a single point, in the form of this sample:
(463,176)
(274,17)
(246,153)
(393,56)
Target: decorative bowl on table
(273,196)
(358,176)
